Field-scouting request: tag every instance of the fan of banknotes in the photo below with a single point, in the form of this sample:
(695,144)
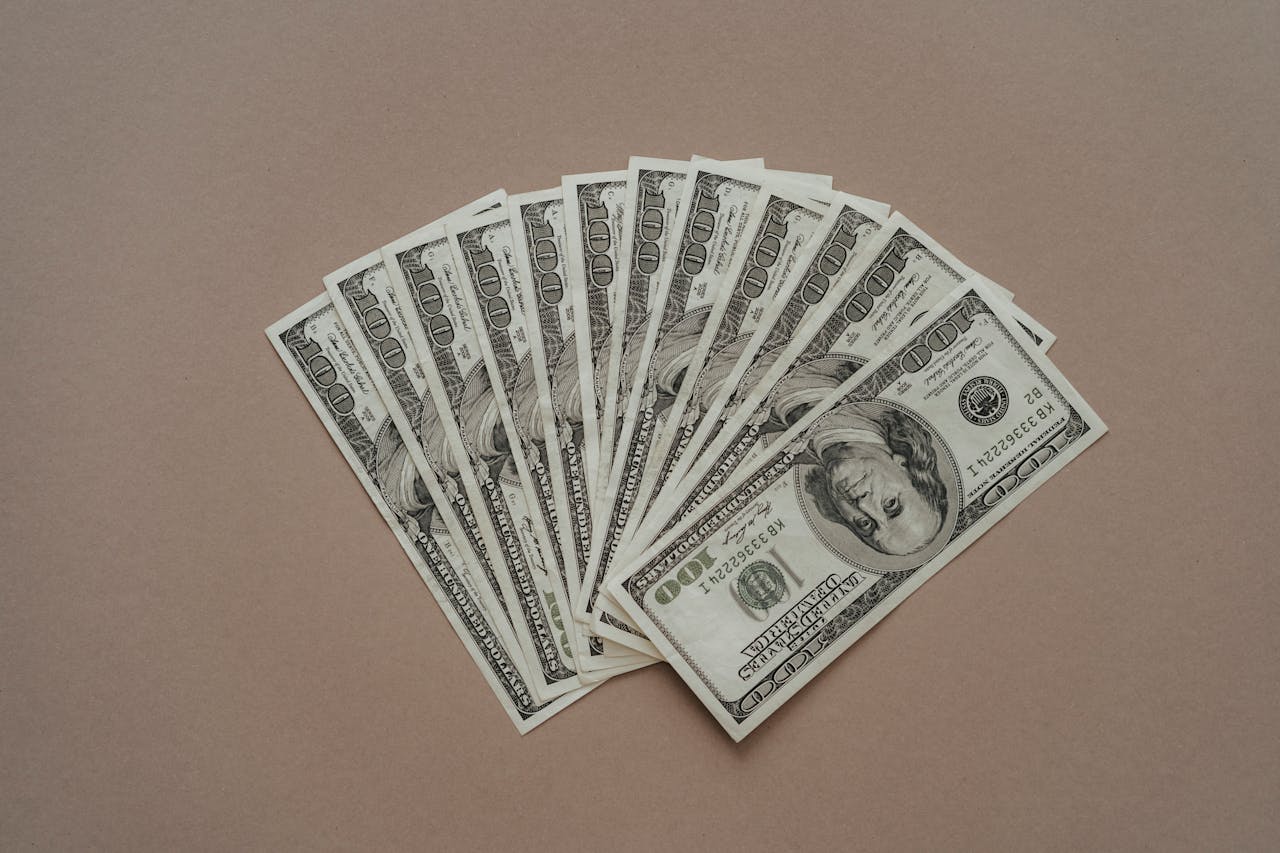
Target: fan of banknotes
(698,412)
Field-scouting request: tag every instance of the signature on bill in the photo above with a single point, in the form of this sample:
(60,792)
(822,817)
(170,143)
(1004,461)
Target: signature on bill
(734,534)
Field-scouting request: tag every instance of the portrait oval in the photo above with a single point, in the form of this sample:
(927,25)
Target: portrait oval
(878,486)
(481,420)
(675,350)
(526,402)
(401,485)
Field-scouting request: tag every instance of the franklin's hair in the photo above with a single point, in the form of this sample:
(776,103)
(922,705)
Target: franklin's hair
(674,354)
(403,489)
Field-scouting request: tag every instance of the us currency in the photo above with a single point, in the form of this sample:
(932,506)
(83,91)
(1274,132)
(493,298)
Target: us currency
(551,412)
(651,196)
(653,189)
(320,355)
(383,344)
(869,494)
(594,212)
(650,205)
(485,249)
(415,281)
(835,245)
(710,229)
(842,309)
(651,201)
(806,180)
(368,306)
(780,233)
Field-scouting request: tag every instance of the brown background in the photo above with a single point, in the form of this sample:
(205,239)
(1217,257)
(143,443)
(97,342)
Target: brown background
(210,640)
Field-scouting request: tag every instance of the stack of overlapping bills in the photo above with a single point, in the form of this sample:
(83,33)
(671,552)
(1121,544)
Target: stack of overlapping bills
(699,412)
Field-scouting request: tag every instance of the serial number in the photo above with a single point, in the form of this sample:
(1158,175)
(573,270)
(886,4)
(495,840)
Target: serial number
(1019,431)
(749,548)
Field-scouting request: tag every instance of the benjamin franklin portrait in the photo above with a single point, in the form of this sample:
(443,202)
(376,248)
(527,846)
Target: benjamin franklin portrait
(674,355)
(876,472)
(566,387)
(402,486)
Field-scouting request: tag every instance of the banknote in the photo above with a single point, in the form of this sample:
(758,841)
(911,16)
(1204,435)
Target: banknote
(779,237)
(651,194)
(833,245)
(805,180)
(484,248)
(709,231)
(866,496)
(415,282)
(386,352)
(419,267)
(594,211)
(321,357)
(544,361)
(653,189)
(550,412)
(849,300)
(367,304)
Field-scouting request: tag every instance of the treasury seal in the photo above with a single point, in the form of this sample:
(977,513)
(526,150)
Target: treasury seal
(984,400)
(761,585)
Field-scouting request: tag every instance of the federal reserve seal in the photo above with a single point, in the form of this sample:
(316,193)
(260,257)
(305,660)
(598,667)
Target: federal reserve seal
(761,585)
(984,400)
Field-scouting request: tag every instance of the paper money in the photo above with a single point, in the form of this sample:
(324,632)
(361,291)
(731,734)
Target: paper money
(835,245)
(595,209)
(415,281)
(651,195)
(698,411)
(551,411)
(484,248)
(388,356)
(854,295)
(781,232)
(709,231)
(866,496)
(653,189)
(320,355)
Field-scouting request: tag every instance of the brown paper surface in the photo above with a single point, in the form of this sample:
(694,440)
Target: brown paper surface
(211,641)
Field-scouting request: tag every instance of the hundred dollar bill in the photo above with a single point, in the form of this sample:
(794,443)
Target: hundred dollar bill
(651,196)
(865,497)
(834,245)
(415,281)
(485,249)
(594,211)
(370,309)
(710,229)
(650,206)
(653,189)
(859,287)
(779,237)
(806,180)
(319,353)
(548,393)
(651,201)
(383,345)
(594,233)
